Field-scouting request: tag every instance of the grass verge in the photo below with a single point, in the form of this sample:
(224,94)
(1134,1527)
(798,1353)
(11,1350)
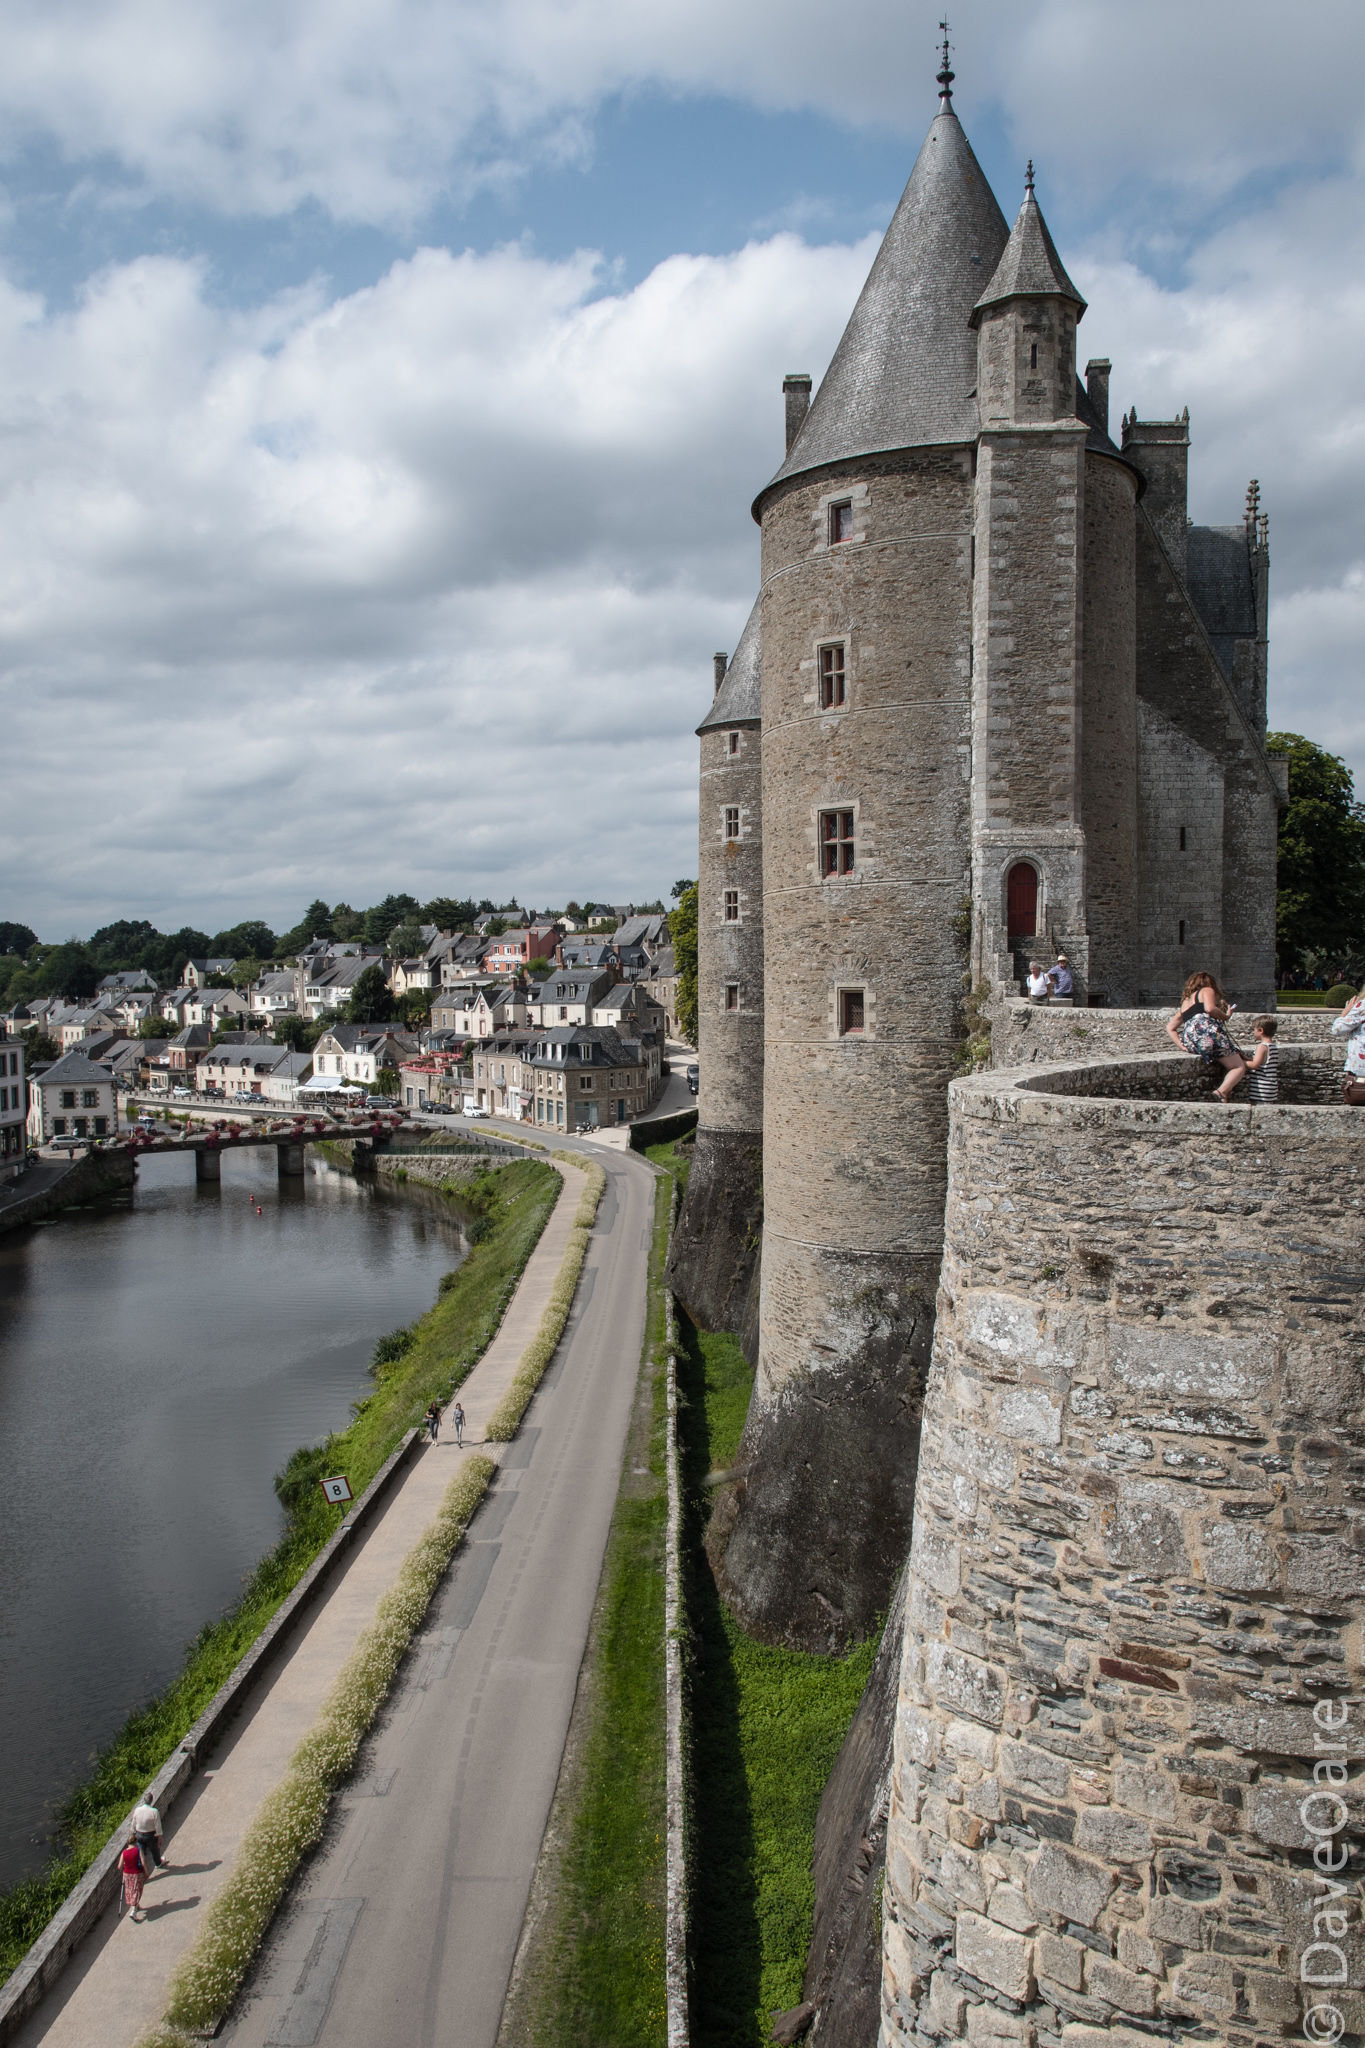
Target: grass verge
(592,1965)
(290,1819)
(503,1422)
(765,1728)
(425,1362)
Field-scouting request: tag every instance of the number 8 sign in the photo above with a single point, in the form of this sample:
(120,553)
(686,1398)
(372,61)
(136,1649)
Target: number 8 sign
(337,1490)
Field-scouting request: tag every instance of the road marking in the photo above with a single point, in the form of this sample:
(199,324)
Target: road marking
(298,2021)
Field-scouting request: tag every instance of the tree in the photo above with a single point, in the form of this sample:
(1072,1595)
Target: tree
(1320,905)
(70,972)
(680,889)
(495,928)
(449,913)
(16,938)
(316,923)
(537,969)
(154,1025)
(300,1034)
(682,930)
(406,941)
(38,1046)
(380,921)
(370,1001)
(346,923)
(251,938)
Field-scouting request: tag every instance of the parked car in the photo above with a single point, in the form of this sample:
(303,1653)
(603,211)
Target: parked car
(184,1093)
(694,1078)
(438,1109)
(476,1113)
(380,1102)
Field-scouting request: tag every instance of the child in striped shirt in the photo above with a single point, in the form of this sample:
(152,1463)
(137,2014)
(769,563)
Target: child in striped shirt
(1263,1083)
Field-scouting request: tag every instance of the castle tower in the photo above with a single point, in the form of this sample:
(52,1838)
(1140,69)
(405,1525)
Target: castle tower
(866,719)
(1054,754)
(712,1260)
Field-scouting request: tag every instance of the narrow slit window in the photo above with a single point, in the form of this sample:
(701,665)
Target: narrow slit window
(732,906)
(732,742)
(851,1012)
(1180,932)
(840,522)
(732,821)
(831,676)
(1182,839)
(1033,357)
(836,842)
(732,995)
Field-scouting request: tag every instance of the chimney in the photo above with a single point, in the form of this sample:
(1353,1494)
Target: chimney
(796,391)
(722,662)
(1097,387)
(1161,450)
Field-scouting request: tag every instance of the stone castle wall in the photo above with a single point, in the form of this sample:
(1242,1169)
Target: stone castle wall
(1109,756)
(1023,1034)
(809,1543)
(1138,1570)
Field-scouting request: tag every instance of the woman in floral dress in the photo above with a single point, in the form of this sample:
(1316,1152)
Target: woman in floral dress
(1351,1022)
(1200,1026)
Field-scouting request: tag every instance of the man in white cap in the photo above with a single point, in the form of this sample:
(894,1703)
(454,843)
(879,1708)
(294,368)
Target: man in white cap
(1060,976)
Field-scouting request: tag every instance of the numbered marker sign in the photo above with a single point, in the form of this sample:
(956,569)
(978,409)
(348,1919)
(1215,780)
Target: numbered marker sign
(336,1490)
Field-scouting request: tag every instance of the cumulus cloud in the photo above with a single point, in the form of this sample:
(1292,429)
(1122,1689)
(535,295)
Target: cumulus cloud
(416,588)
(374,109)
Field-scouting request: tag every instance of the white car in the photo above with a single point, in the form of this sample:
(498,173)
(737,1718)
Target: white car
(476,1113)
(183,1094)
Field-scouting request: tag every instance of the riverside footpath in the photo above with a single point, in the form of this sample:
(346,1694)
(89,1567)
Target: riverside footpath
(403,1925)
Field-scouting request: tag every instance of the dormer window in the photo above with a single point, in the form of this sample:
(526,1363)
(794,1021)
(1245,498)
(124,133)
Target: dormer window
(841,522)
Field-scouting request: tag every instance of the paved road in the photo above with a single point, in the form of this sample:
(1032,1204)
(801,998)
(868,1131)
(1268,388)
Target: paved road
(404,1932)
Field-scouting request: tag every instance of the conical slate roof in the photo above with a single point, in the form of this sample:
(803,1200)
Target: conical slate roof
(1030,267)
(904,375)
(737,700)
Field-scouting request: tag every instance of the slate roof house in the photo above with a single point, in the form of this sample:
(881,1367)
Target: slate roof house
(73,1098)
(585,1077)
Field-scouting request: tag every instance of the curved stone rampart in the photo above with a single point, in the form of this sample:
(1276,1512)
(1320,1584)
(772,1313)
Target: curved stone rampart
(1138,1569)
(1024,1032)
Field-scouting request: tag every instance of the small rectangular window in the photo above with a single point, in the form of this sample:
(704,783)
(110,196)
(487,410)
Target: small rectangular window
(840,522)
(732,906)
(732,821)
(836,842)
(831,676)
(89,1099)
(732,995)
(1180,929)
(59,1126)
(850,1011)
(732,742)
(1182,839)
(68,1098)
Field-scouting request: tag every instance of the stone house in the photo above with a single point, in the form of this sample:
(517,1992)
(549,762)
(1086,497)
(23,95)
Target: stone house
(359,1052)
(480,1012)
(73,1098)
(503,1081)
(199,973)
(13,1110)
(660,984)
(568,995)
(587,1078)
(240,1070)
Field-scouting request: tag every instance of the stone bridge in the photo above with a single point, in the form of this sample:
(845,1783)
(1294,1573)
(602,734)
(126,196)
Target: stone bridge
(288,1134)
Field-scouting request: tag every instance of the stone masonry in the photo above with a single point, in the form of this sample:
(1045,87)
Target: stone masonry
(1138,1571)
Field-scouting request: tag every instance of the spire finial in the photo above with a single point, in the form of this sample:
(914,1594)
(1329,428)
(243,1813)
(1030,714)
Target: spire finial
(1253,502)
(1028,180)
(946,76)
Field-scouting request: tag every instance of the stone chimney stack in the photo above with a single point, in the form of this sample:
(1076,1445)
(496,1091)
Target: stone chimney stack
(796,391)
(1097,387)
(720,661)
(1161,450)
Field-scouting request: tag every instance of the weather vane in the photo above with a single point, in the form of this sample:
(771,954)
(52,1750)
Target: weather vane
(947,74)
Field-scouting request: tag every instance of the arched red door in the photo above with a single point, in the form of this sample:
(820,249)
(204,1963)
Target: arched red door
(1021,900)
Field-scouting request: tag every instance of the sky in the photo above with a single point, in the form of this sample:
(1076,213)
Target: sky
(384,385)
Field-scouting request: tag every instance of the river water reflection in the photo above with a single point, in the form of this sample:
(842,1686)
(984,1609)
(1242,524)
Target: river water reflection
(159,1360)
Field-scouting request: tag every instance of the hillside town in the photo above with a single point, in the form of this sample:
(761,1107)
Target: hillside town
(563,1022)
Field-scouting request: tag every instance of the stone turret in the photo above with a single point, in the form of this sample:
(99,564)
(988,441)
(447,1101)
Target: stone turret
(712,1261)
(866,631)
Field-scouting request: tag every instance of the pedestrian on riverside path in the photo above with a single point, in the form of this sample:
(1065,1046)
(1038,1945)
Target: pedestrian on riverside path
(433,1421)
(457,1417)
(134,1877)
(147,1831)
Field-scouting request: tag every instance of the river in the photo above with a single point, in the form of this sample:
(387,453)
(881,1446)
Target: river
(160,1357)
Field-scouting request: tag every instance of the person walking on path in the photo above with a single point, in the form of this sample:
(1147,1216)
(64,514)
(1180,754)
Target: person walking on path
(134,1875)
(1263,1082)
(1351,1024)
(433,1422)
(147,1831)
(457,1417)
(1200,1026)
